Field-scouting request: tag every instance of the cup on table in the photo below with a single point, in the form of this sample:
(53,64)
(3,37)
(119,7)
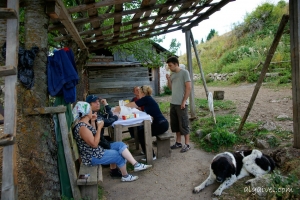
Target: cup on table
(121,103)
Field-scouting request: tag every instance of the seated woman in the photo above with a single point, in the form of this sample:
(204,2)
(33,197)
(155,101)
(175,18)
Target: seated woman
(87,139)
(159,124)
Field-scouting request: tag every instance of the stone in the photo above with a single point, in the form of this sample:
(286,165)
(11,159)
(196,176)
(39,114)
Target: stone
(262,144)
(199,133)
(270,126)
(207,137)
(282,116)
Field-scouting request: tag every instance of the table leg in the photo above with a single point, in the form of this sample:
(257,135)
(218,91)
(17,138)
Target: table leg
(118,132)
(136,138)
(148,141)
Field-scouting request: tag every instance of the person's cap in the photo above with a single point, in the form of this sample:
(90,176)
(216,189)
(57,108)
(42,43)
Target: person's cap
(92,98)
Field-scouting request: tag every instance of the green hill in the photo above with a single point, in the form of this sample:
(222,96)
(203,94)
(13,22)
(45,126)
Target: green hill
(244,47)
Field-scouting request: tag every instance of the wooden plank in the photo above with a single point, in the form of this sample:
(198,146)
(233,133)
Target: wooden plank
(119,84)
(294,10)
(66,20)
(8,70)
(92,171)
(264,70)
(209,12)
(68,156)
(107,64)
(9,163)
(44,110)
(98,31)
(126,12)
(99,4)
(105,80)
(190,69)
(8,13)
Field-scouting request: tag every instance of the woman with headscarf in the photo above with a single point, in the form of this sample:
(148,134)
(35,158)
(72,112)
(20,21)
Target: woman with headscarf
(91,153)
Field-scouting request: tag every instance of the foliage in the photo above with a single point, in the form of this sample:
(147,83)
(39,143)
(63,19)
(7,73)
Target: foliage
(164,107)
(243,48)
(284,187)
(167,90)
(218,104)
(211,34)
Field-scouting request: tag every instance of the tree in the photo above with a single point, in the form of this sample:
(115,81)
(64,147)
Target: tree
(202,41)
(196,41)
(211,34)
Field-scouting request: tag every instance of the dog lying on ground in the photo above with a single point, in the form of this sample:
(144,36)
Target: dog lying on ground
(226,168)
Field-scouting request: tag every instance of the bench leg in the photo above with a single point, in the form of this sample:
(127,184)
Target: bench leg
(136,138)
(163,148)
(89,192)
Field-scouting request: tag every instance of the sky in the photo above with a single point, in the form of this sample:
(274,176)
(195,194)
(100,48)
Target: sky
(221,21)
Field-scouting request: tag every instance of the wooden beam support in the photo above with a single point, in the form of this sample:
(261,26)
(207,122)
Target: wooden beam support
(8,13)
(99,4)
(8,70)
(133,11)
(60,12)
(283,22)
(294,10)
(209,12)
(9,189)
(190,69)
(44,110)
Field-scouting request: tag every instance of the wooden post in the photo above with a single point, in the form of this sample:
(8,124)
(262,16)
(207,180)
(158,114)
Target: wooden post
(190,68)
(294,8)
(148,142)
(264,70)
(9,167)
(199,64)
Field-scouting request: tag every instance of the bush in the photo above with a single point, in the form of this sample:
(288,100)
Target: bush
(167,90)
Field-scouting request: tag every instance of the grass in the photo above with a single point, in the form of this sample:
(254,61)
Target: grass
(164,107)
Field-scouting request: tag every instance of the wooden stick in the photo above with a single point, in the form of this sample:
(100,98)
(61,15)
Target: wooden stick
(199,64)
(264,70)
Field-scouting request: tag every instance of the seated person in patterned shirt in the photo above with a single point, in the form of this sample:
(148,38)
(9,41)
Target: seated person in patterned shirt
(91,153)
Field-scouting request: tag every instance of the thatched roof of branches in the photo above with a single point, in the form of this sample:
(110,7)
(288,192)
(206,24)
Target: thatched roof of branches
(99,24)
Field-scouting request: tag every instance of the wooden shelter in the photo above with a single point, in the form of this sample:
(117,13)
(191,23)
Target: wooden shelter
(101,24)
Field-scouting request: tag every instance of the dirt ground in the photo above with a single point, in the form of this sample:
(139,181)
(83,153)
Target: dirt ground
(175,177)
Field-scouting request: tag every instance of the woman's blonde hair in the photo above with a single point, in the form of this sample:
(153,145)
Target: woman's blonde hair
(146,89)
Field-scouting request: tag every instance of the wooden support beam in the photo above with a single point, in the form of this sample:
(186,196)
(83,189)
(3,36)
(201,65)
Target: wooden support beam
(8,13)
(44,110)
(199,64)
(133,11)
(294,10)
(99,4)
(59,11)
(264,70)
(9,189)
(8,70)
(190,69)
(209,12)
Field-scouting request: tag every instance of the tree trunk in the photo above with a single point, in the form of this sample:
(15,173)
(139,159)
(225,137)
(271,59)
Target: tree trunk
(37,151)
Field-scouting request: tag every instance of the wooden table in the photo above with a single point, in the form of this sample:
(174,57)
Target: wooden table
(144,120)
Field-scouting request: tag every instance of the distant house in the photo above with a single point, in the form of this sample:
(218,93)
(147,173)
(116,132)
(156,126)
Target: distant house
(113,76)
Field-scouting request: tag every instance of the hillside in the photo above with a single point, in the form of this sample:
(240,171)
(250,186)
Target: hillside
(244,47)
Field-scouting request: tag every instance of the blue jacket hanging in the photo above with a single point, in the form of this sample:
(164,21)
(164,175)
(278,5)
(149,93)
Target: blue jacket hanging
(62,75)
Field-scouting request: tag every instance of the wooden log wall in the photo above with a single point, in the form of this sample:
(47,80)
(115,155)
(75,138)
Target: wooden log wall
(115,83)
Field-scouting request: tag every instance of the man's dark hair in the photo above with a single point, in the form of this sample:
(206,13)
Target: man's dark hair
(173,60)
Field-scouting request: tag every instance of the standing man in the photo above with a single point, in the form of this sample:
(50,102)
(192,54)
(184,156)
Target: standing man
(180,84)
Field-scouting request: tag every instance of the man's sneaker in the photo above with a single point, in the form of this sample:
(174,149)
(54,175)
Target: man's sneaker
(144,159)
(185,148)
(115,174)
(176,145)
(141,167)
(129,178)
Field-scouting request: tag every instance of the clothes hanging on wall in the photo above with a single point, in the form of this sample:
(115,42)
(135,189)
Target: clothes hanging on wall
(62,74)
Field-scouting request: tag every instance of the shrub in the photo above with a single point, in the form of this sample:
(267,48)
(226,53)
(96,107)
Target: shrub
(167,90)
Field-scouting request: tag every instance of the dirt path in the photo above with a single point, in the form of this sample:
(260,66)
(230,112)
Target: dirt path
(175,177)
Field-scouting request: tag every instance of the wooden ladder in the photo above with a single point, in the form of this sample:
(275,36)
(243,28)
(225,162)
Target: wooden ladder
(9,167)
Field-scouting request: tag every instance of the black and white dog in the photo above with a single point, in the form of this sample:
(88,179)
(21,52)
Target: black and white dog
(227,168)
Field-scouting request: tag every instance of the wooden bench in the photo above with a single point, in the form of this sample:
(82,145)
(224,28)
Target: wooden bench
(163,145)
(81,188)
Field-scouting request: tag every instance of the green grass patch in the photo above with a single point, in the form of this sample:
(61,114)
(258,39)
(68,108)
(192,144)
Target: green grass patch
(164,107)
(218,104)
